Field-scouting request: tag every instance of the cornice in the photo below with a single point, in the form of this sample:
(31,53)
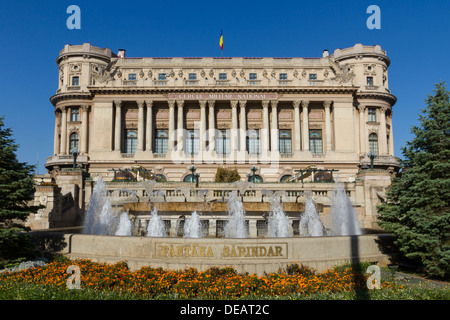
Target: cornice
(384,96)
(70,96)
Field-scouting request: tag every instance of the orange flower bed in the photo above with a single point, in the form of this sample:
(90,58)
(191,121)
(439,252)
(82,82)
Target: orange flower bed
(213,283)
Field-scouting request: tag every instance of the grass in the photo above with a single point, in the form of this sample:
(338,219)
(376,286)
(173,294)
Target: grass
(101,281)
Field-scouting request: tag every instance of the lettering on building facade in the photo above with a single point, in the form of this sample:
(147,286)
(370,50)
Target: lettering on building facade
(223,96)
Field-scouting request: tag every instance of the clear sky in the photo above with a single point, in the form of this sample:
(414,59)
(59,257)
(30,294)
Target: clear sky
(415,35)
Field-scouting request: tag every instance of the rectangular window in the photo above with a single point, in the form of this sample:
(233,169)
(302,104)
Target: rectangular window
(223,142)
(192,142)
(252,78)
(76,81)
(192,78)
(312,76)
(372,114)
(162,76)
(161,141)
(315,141)
(222,76)
(132,76)
(369,81)
(285,141)
(130,141)
(253,141)
(283,76)
(74,114)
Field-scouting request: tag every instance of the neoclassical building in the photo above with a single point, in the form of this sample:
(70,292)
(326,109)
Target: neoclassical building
(275,120)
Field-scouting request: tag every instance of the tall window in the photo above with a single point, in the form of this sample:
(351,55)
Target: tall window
(161,141)
(74,114)
(373,143)
(192,142)
(223,142)
(372,114)
(315,140)
(131,141)
(369,81)
(253,141)
(285,141)
(76,81)
(74,141)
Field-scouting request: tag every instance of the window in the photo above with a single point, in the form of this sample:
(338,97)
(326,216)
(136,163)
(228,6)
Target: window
(373,143)
(161,141)
(283,78)
(76,81)
(192,142)
(315,141)
(130,141)
(255,178)
(253,78)
(312,76)
(369,81)
(222,76)
(162,76)
(223,142)
(285,141)
(74,142)
(192,78)
(253,142)
(74,114)
(285,178)
(190,178)
(372,114)
(132,77)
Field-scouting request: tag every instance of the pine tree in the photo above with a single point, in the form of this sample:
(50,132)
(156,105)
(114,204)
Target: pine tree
(417,210)
(16,190)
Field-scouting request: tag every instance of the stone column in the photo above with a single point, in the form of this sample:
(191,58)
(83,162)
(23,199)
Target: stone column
(118,126)
(202,125)
(327,105)
(56,140)
(234,126)
(274,126)
(383,133)
(305,104)
(140,144)
(265,131)
(63,141)
(84,130)
(243,126)
(180,104)
(211,125)
(362,129)
(149,131)
(297,135)
(171,123)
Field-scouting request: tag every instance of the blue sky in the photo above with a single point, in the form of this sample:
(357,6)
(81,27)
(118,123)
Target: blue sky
(415,35)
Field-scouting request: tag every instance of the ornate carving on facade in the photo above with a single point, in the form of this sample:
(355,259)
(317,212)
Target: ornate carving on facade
(105,73)
(342,73)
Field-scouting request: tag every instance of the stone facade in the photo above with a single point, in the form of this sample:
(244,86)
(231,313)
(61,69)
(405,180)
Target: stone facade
(281,115)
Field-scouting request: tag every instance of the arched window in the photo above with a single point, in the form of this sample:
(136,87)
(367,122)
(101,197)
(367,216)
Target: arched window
(74,141)
(285,178)
(255,178)
(373,143)
(160,178)
(189,178)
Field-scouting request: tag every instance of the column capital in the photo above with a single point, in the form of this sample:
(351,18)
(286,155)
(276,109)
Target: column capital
(149,103)
(296,103)
(327,104)
(140,103)
(234,103)
(361,108)
(85,107)
(383,109)
(242,103)
(180,103)
(202,103)
(265,103)
(274,103)
(211,103)
(118,103)
(305,103)
(171,103)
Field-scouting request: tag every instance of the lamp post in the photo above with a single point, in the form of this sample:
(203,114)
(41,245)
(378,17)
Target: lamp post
(253,169)
(194,175)
(75,155)
(372,156)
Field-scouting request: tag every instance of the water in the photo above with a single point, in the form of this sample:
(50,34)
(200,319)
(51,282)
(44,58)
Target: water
(99,219)
(125,227)
(235,226)
(193,226)
(310,224)
(342,217)
(279,225)
(156,226)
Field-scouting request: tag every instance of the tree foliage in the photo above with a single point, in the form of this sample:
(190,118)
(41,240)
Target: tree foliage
(417,210)
(16,190)
(227,175)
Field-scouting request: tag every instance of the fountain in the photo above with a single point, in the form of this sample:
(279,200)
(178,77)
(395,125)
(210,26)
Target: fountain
(342,217)
(310,224)
(156,226)
(125,227)
(235,226)
(279,225)
(193,226)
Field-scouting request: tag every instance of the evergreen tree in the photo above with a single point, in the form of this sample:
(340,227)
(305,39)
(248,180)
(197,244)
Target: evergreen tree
(16,190)
(417,210)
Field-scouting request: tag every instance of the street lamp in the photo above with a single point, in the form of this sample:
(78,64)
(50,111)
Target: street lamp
(372,156)
(194,175)
(251,177)
(75,155)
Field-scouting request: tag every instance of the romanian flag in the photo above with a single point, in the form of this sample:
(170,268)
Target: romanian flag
(221,39)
